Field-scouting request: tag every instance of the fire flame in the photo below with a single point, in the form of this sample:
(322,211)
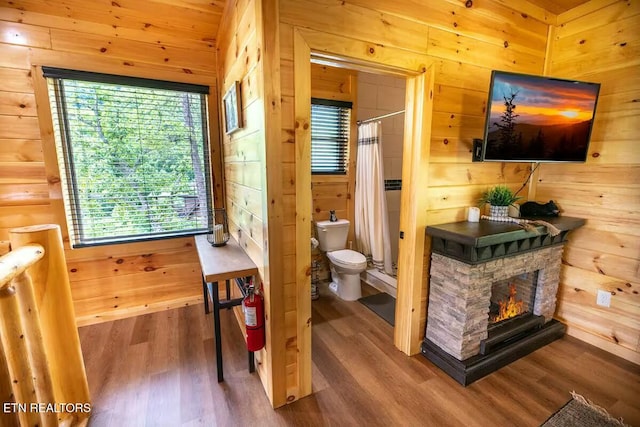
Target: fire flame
(509,308)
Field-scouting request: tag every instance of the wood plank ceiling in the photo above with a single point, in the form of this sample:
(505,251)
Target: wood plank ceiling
(164,22)
(216,7)
(158,17)
(557,6)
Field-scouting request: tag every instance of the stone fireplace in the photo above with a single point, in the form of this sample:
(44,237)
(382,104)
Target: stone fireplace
(492,294)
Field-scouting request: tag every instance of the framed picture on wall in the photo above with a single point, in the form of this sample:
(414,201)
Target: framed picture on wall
(232,110)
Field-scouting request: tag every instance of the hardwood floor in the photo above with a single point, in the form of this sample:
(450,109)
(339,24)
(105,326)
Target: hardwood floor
(159,370)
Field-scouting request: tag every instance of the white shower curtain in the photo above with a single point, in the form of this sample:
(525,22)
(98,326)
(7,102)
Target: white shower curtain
(371,222)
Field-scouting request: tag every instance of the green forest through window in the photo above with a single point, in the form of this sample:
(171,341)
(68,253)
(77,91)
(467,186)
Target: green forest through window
(134,157)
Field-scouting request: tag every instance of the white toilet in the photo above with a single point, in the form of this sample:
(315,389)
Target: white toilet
(346,265)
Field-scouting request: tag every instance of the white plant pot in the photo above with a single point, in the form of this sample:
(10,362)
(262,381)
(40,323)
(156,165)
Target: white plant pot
(498,211)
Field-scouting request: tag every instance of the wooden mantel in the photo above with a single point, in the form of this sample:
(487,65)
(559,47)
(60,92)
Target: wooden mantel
(476,242)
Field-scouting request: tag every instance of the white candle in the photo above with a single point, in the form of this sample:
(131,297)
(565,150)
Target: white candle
(514,210)
(218,234)
(474,214)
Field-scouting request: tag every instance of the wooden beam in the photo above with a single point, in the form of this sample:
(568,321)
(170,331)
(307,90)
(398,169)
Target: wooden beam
(413,250)
(530,9)
(17,261)
(302,84)
(395,60)
(585,9)
(267,29)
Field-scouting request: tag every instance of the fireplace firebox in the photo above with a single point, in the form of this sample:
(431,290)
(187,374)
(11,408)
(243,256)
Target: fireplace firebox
(512,297)
(492,294)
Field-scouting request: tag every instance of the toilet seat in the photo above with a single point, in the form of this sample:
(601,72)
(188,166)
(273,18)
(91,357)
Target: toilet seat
(347,258)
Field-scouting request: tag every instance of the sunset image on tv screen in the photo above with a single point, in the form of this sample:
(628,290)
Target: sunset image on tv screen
(539,118)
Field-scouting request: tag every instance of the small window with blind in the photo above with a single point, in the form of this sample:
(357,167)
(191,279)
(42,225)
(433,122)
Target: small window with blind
(133,155)
(330,123)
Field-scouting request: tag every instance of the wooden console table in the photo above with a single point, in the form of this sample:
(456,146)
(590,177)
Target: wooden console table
(228,262)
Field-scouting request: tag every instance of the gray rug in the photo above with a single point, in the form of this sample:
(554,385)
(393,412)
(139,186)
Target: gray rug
(580,412)
(382,304)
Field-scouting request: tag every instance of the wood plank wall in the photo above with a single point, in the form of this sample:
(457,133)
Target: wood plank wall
(465,44)
(600,42)
(242,45)
(128,38)
(334,192)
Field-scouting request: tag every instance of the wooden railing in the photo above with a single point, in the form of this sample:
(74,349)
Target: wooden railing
(42,375)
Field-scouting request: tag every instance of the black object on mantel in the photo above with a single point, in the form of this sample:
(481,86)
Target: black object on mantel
(539,209)
(477,242)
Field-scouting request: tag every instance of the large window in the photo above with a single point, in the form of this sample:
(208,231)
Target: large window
(330,122)
(133,154)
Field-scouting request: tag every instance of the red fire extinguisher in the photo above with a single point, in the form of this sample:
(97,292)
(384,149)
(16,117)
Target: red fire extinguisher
(253,308)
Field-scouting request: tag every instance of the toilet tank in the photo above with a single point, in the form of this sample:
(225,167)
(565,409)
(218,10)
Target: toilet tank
(332,236)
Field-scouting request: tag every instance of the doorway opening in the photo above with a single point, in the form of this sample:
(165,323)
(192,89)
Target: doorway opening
(408,208)
(372,168)
(367,194)
(419,72)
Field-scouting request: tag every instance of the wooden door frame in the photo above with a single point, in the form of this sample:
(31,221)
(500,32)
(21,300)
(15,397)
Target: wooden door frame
(419,70)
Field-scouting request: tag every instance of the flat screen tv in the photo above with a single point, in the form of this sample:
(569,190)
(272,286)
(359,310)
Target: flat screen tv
(538,119)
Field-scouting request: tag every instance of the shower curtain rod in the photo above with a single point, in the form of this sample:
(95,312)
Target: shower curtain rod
(384,116)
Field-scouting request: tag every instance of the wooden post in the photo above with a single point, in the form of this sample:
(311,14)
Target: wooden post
(302,76)
(32,333)
(412,290)
(6,392)
(53,298)
(274,378)
(17,355)
(12,333)
(22,337)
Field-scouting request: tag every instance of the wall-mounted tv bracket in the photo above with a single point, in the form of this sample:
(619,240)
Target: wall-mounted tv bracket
(476,154)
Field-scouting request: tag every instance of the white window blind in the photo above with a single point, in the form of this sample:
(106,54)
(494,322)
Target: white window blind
(330,123)
(134,157)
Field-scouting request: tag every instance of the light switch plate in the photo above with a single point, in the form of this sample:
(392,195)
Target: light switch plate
(603,298)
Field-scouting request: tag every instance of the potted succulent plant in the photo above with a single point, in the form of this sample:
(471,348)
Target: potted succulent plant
(499,198)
